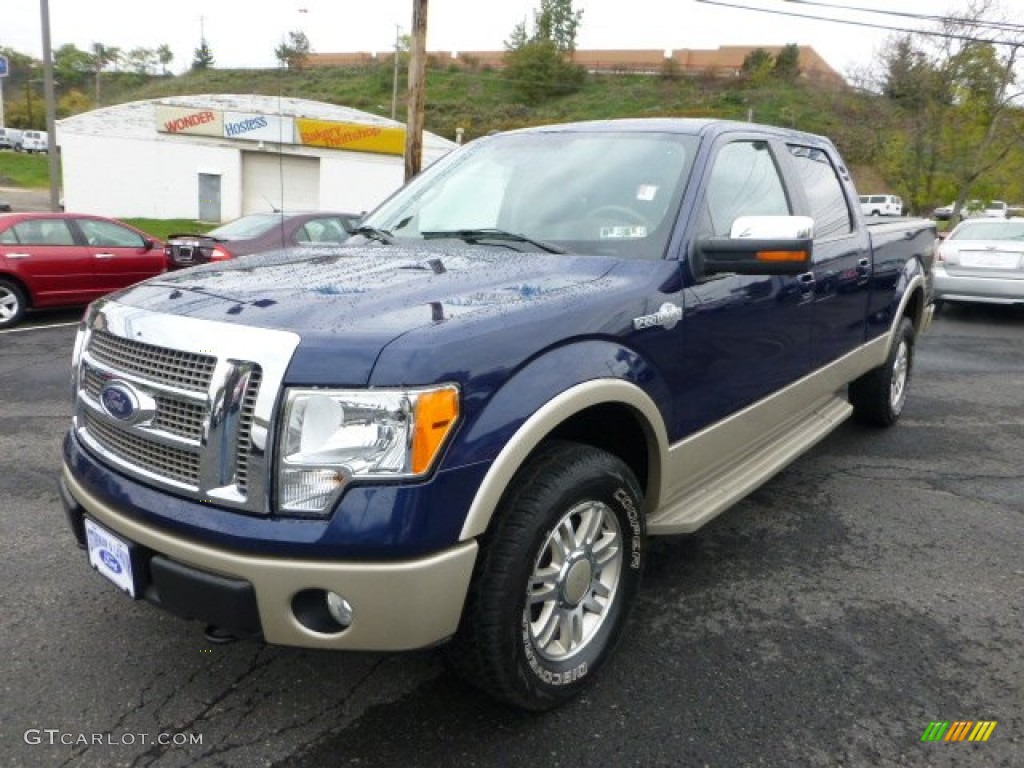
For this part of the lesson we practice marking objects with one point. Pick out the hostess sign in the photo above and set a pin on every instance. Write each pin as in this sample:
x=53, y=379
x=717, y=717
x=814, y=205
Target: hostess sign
x=240, y=125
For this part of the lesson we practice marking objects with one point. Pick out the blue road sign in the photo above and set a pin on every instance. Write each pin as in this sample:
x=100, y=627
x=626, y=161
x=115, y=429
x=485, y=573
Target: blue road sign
x=3, y=66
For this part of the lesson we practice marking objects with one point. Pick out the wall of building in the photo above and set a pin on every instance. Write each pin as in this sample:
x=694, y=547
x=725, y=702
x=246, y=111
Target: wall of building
x=358, y=181
x=726, y=60
x=123, y=177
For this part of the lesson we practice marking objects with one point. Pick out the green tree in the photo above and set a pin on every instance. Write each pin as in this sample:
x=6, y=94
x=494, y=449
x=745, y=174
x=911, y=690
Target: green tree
x=558, y=22
x=293, y=52
x=103, y=56
x=202, y=58
x=71, y=65
x=539, y=67
x=141, y=60
x=787, y=63
x=951, y=111
x=165, y=56
x=758, y=65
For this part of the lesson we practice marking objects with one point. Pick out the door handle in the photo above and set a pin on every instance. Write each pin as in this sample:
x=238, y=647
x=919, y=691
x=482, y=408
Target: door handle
x=103, y=255
x=17, y=256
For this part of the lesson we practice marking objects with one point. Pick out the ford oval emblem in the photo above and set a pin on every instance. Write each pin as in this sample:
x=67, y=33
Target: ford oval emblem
x=111, y=561
x=119, y=401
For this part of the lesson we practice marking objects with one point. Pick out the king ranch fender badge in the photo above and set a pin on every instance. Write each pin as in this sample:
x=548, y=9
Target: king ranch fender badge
x=667, y=317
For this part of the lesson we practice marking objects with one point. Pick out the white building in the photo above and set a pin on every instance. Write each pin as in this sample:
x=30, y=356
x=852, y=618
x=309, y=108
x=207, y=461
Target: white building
x=217, y=157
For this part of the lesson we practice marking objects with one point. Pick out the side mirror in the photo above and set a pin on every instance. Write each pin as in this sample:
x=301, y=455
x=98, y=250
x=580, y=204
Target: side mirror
x=759, y=245
x=148, y=244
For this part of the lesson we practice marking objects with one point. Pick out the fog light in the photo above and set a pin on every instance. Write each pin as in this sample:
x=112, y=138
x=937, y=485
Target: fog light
x=339, y=609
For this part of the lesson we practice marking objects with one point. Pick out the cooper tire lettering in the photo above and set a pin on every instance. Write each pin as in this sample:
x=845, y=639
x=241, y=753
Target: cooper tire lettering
x=555, y=579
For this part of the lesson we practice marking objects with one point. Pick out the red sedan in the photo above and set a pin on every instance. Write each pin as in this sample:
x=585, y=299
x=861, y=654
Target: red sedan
x=68, y=259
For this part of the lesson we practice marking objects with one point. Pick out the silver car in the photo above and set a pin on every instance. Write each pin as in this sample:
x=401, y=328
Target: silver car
x=982, y=260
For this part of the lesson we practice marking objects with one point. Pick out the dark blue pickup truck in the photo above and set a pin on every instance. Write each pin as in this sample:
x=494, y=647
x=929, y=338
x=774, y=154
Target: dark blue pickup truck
x=462, y=425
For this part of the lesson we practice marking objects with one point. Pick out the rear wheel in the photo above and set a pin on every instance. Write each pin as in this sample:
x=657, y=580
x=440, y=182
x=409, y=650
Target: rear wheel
x=12, y=303
x=879, y=395
x=555, y=578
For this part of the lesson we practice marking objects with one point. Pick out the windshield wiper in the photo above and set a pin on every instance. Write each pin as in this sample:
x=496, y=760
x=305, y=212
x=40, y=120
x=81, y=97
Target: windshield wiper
x=372, y=233
x=490, y=233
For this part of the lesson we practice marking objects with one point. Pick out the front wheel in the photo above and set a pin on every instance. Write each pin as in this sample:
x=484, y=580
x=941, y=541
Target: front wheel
x=555, y=578
x=879, y=395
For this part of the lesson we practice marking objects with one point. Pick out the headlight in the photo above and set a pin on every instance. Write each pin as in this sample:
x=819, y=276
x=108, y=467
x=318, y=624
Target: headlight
x=330, y=437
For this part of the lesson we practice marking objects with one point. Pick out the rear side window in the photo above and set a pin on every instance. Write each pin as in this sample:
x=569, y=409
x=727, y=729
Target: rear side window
x=43, y=232
x=824, y=192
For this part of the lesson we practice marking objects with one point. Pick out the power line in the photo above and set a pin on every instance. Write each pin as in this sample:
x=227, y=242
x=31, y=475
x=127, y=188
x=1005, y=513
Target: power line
x=868, y=24
x=1002, y=26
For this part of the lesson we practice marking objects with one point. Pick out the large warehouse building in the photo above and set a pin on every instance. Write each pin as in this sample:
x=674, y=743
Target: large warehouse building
x=217, y=157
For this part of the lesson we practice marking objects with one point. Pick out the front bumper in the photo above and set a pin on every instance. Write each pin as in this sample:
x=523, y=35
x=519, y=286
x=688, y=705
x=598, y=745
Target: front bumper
x=395, y=605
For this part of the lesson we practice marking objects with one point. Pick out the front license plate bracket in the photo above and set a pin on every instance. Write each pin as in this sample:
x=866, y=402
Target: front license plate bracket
x=113, y=557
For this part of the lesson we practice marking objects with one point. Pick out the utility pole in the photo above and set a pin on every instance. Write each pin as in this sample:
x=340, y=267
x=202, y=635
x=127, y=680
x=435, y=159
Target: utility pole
x=417, y=90
x=394, y=77
x=51, y=107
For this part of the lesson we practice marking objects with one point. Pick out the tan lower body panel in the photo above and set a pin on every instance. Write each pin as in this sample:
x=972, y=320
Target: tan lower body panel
x=396, y=606
x=720, y=465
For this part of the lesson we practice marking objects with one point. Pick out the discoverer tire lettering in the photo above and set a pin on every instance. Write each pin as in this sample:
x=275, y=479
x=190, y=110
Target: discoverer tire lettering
x=555, y=578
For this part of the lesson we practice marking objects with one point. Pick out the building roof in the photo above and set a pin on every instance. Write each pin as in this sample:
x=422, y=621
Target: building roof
x=137, y=119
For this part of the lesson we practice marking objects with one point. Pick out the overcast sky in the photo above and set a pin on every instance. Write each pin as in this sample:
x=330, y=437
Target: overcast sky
x=243, y=33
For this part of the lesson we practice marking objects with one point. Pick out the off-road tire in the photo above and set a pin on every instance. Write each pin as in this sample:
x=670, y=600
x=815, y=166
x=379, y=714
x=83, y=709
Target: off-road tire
x=878, y=397
x=566, y=494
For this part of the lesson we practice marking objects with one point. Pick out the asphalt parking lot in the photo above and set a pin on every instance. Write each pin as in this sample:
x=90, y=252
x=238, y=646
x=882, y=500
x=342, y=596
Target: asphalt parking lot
x=873, y=587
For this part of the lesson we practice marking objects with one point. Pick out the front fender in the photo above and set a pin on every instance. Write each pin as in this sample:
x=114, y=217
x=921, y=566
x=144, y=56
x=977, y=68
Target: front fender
x=541, y=396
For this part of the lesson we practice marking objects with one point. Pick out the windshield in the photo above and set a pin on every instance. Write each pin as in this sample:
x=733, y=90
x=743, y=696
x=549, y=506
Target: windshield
x=601, y=193
x=246, y=227
x=980, y=230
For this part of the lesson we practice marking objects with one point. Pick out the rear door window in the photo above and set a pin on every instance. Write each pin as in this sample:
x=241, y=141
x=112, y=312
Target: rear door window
x=824, y=192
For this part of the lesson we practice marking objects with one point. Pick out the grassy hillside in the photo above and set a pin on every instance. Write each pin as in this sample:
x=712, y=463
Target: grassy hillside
x=481, y=101
x=484, y=100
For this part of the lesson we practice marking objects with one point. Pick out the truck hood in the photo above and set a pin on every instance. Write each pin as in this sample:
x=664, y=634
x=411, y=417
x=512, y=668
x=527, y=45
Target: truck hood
x=348, y=304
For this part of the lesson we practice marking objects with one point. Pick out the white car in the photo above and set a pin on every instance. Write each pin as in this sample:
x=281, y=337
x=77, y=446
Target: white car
x=33, y=141
x=993, y=209
x=982, y=260
x=9, y=138
x=881, y=205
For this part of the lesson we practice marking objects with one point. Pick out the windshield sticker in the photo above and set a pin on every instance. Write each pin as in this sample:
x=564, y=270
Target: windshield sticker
x=646, y=192
x=623, y=232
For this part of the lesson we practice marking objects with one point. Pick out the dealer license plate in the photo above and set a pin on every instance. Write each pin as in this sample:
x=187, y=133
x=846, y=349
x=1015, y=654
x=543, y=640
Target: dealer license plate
x=110, y=555
x=989, y=260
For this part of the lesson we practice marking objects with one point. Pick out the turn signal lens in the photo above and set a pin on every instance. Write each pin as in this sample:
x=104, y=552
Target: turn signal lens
x=777, y=256
x=435, y=414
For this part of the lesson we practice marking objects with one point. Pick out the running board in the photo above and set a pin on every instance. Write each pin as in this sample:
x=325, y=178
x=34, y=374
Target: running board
x=736, y=478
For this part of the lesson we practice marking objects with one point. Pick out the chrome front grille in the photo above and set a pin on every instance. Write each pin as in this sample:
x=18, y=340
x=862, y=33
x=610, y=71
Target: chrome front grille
x=245, y=431
x=197, y=423
x=186, y=370
x=172, y=463
x=175, y=415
